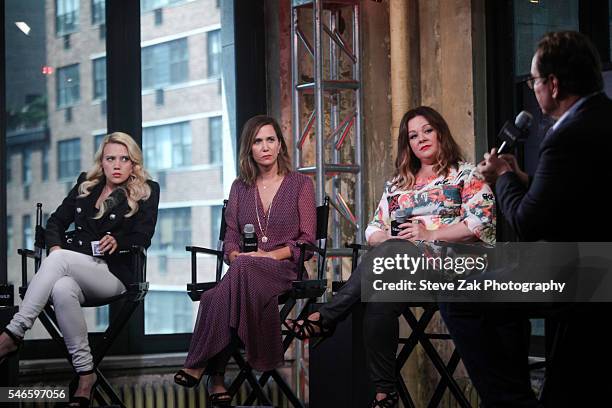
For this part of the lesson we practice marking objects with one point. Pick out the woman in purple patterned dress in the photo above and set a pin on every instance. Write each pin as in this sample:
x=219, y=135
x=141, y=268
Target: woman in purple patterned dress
x=243, y=307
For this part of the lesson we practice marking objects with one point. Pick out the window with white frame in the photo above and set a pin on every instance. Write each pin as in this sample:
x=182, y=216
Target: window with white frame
x=68, y=159
x=98, y=11
x=99, y=78
x=213, y=40
x=165, y=64
x=68, y=92
x=215, y=140
x=173, y=230
x=167, y=146
x=66, y=16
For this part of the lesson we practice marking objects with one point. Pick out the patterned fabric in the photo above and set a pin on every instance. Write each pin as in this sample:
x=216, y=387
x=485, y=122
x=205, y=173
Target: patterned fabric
x=245, y=300
x=461, y=196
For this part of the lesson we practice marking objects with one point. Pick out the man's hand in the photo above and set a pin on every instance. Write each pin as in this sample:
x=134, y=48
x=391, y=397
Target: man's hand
x=511, y=160
x=493, y=166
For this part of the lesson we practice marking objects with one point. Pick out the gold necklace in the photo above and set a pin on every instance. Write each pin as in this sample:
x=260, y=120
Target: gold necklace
x=264, y=237
x=269, y=185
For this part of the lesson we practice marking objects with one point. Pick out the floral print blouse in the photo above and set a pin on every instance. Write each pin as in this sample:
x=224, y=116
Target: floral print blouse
x=460, y=196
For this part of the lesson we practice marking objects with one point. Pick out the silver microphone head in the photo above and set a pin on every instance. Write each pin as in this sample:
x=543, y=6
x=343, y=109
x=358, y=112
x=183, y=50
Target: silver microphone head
x=248, y=229
x=523, y=120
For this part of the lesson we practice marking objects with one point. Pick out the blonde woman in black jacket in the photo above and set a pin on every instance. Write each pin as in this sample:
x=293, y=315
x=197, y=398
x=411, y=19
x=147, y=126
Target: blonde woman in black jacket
x=113, y=206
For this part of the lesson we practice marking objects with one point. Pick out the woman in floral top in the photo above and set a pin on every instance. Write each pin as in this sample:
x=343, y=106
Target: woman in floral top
x=446, y=200
x=460, y=197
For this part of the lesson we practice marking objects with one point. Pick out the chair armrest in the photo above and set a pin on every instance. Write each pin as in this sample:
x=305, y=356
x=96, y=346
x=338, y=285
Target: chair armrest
x=139, y=261
x=27, y=253
x=304, y=246
x=202, y=250
x=355, y=256
x=310, y=247
x=36, y=255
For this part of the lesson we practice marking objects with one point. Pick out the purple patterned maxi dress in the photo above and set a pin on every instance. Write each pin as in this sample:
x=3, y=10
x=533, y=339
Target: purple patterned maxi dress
x=245, y=300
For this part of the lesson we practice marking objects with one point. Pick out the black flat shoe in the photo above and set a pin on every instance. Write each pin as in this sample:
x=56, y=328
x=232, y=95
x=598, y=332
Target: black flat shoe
x=306, y=329
x=185, y=380
x=220, y=399
x=18, y=342
x=390, y=401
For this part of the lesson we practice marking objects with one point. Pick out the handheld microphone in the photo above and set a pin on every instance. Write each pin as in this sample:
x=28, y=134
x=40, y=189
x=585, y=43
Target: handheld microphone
x=249, y=239
x=511, y=133
x=401, y=216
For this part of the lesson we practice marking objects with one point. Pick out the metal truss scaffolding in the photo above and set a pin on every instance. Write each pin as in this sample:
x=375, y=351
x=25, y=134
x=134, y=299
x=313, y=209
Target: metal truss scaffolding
x=327, y=111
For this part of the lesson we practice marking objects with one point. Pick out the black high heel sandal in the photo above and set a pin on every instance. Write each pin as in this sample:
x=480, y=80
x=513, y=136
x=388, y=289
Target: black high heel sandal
x=83, y=402
x=390, y=401
x=186, y=380
x=218, y=399
x=306, y=329
x=18, y=342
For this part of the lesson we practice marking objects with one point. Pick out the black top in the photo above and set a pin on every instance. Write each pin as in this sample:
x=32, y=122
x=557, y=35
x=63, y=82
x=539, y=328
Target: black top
x=135, y=230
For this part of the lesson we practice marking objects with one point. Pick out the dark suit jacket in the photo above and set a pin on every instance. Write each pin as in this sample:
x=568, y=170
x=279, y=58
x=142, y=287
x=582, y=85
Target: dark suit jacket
x=135, y=230
x=566, y=200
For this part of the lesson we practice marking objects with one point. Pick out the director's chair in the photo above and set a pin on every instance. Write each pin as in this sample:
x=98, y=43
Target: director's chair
x=420, y=335
x=302, y=289
x=132, y=297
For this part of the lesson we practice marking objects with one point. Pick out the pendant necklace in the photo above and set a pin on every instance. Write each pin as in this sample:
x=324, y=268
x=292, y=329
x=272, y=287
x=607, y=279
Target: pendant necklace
x=264, y=237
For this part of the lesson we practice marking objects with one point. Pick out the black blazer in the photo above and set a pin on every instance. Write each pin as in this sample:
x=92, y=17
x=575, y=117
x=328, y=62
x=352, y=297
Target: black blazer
x=135, y=230
x=566, y=200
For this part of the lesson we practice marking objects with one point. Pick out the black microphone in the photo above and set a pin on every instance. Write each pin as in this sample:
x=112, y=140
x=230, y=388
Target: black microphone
x=249, y=239
x=511, y=133
x=401, y=216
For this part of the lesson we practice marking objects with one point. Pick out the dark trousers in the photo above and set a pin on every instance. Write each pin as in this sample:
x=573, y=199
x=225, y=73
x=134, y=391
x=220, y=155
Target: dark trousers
x=494, y=352
x=493, y=341
x=380, y=326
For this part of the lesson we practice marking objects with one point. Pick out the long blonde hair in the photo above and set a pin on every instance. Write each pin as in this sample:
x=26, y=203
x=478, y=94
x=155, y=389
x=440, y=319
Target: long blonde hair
x=135, y=188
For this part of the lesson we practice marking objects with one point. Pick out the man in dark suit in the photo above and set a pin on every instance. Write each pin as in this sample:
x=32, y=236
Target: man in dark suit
x=557, y=204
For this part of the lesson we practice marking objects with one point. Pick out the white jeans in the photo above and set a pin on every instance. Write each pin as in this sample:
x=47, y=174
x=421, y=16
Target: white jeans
x=68, y=278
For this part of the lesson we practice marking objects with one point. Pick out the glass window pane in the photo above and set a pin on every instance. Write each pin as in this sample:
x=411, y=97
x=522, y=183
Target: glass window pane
x=183, y=145
x=98, y=11
x=99, y=78
x=52, y=113
x=165, y=64
x=214, y=53
x=68, y=86
x=215, y=142
x=534, y=19
x=66, y=16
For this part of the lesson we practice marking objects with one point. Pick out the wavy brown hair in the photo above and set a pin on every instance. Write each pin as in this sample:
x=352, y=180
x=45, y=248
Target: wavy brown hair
x=249, y=171
x=407, y=164
x=135, y=187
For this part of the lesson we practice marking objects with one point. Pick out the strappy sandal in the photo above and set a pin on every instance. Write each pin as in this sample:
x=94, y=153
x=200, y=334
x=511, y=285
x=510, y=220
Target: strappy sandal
x=306, y=329
x=390, y=401
x=82, y=402
x=218, y=399
x=186, y=380
x=18, y=342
